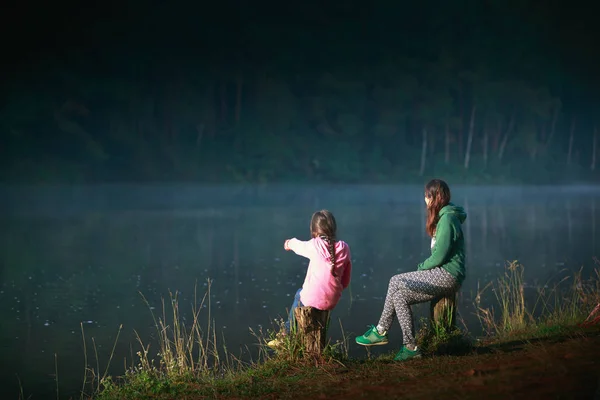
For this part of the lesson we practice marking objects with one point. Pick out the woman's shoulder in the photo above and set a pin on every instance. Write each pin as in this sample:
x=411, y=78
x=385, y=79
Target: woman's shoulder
x=450, y=221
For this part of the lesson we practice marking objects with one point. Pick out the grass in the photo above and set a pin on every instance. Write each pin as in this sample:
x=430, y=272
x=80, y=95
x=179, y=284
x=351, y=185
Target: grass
x=495, y=369
x=292, y=348
x=528, y=342
x=556, y=307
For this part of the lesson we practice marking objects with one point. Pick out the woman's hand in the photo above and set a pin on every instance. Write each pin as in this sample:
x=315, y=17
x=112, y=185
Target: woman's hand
x=285, y=245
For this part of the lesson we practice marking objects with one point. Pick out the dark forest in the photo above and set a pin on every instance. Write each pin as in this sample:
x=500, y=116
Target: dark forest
x=474, y=91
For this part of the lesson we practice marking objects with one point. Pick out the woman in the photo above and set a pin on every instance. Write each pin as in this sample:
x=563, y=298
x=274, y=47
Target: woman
x=439, y=275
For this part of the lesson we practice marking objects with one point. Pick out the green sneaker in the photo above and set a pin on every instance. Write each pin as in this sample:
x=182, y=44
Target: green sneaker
x=405, y=354
x=372, y=338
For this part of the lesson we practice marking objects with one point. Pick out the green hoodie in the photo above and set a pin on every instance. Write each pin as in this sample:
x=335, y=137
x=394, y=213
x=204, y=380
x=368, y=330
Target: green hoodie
x=448, y=250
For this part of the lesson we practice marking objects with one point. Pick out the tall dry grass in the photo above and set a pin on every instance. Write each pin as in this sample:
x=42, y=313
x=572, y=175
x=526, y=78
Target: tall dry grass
x=563, y=303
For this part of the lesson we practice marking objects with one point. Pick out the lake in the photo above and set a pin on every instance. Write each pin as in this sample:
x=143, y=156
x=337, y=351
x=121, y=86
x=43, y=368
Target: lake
x=83, y=256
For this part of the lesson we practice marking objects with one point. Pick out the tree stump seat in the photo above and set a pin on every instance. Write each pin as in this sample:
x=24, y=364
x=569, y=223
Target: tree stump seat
x=443, y=312
x=311, y=326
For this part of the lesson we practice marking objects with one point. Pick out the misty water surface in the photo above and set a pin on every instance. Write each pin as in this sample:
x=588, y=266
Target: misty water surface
x=83, y=255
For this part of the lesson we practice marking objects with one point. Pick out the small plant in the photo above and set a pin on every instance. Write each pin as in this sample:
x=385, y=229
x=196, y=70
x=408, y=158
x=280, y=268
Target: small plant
x=290, y=347
x=338, y=351
x=556, y=306
x=509, y=291
x=186, y=353
x=437, y=339
x=289, y=344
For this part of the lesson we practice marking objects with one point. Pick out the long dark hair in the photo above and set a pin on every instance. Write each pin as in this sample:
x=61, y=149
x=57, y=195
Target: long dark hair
x=323, y=225
x=438, y=192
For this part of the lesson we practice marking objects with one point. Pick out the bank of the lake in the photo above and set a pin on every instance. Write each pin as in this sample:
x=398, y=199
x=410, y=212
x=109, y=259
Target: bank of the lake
x=553, y=352
x=562, y=365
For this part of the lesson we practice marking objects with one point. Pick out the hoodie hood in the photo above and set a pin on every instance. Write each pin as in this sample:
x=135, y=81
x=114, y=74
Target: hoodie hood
x=458, y=211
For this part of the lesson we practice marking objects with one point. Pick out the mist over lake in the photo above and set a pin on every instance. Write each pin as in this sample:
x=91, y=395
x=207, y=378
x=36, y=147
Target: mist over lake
x=74, y=256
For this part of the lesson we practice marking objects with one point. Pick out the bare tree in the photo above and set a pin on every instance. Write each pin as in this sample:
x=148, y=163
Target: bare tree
x=485, y=144
x=447, y=145
x=511, y=126
x=423, y=152
x=470, y=138
x=223, y=98
x=238, y=97
x=594, y=145
x=571, y=138
x=555, y=112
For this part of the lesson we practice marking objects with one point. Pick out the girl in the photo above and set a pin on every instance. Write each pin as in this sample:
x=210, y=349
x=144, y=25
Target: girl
x=329, y=269
x=439, y=275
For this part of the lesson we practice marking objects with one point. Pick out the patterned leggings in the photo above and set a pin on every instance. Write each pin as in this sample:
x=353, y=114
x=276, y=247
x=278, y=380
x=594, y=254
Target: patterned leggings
x=413, y=288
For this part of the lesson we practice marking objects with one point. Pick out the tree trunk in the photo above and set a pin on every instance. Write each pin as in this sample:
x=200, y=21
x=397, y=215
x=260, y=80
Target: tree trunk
x=423, y=152
x=236, y=265
x=485, y=146
x=447, y=145
x=552, y=127
x=534, y=152
x=238, y=98
x=594, y=145
x=496, y=138
x=461, y=120
x=511, y=125
x=208, y=111
x=470, y=138
x=571, y=138
x=593, y=201
x=223, y=98
x=200, y=134
x=443, y=313
x=484, y=228
x=468, y=225
x=569, y=223
x=312, y=329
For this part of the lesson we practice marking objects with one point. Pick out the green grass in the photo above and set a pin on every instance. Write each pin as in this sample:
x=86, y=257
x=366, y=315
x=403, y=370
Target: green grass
x=490, y=369
x=557, y=306
x=192, y=363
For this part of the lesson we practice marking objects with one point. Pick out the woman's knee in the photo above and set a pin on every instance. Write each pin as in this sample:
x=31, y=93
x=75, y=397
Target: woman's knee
x=394, y=284
x=395, y=280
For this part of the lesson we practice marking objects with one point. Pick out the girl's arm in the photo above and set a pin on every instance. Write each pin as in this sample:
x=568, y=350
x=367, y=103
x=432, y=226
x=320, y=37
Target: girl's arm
x=442, y=247
x=304, y=249
x=347, y=273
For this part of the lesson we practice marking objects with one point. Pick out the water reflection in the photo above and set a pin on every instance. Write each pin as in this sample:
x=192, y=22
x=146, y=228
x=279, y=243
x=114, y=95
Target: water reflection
x=63, y=264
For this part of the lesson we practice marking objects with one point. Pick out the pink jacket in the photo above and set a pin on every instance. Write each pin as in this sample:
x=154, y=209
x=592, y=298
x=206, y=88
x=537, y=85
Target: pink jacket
x=321, y=289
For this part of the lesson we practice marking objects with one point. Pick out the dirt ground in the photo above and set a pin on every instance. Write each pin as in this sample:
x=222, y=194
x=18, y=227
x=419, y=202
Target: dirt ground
x=558, y=368
x=565, y=369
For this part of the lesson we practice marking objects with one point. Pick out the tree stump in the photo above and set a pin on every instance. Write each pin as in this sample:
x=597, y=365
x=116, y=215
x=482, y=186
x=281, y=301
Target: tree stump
x=443, y=312
x=311, y=325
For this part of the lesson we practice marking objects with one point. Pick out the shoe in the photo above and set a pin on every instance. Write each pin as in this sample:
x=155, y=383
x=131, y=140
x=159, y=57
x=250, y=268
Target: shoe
x=405, y=354
x=372, y=338
x=276, y=343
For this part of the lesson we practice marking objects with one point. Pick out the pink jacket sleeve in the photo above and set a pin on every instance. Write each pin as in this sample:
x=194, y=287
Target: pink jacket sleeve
x=347, y=272
x=304, y=249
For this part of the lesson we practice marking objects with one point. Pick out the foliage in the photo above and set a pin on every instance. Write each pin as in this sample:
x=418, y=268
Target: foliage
x=157, y=113
x=435, y=340
x=556, y=306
